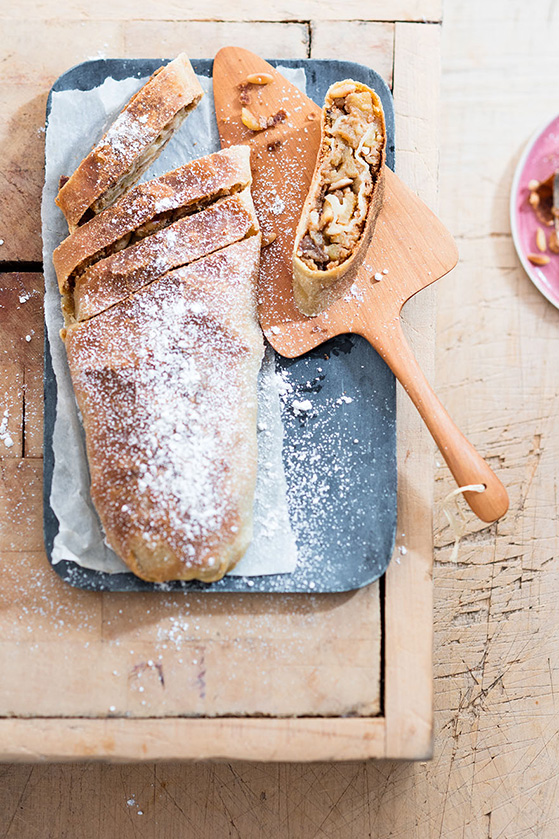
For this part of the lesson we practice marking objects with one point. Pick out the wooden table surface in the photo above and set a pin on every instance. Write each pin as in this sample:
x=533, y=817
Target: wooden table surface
x=496, y=658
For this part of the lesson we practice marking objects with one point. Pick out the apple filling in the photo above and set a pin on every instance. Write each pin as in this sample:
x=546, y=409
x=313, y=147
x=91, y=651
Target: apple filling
x=352, y=147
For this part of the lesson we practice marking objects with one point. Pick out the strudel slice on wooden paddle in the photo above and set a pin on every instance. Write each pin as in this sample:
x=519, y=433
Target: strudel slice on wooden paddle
x=344, y=199
x=132, y=143
x=166, y=382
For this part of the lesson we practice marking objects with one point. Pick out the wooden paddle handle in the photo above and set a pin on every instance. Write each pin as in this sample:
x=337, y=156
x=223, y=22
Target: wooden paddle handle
x=465, y=463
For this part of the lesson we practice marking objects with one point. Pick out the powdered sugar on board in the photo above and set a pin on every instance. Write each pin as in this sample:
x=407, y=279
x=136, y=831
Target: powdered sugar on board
x=78, y=119
x=164, y=401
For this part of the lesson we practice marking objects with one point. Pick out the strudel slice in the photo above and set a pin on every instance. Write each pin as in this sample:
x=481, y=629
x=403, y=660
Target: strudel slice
x=146, y=209
x=117, y=276
x=132, y=143
x=344, y=199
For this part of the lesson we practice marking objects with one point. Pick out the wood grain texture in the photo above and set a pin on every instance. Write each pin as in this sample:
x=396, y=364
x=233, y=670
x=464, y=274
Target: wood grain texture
x=65, y=652
x=188, y=739
x=241, y=10
x=496, y=665
x=406, y=694
x=21, y=364
x=368, y=43
x=496, y=615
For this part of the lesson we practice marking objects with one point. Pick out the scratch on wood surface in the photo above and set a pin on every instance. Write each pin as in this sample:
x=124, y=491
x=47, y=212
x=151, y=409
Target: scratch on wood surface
x=18, y=805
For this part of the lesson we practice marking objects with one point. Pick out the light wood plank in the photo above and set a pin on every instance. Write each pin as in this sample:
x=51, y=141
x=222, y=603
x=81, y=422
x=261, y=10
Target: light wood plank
x=226, y=739
x=21, y=363
x=241, y=10
x=408, y=610
x=202, y=39
x=66, y=652
x=165, y=654
x=21, y=504
x=496, y=614
x=371, y=44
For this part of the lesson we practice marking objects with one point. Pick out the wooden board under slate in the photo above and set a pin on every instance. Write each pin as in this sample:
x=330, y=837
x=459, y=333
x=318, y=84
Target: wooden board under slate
x=38, y=608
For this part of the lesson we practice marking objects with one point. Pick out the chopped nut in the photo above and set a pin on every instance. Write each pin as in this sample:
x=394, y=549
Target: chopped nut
x=260, y=78
x=554, y=242
x=273, y=146
x=533, y=184
x=342, y=89
x=538, y=258
x=534, y=199
x=268, y=238
x=251, y=121
x=280, y=116
x=541, y=241
x=245, y=95
x=341, y=183
x=327, y=215
x=260, y=123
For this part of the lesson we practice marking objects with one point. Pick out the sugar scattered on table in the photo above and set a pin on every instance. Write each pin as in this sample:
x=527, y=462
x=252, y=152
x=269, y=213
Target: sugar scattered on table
x=5, y=435
x=301, y=406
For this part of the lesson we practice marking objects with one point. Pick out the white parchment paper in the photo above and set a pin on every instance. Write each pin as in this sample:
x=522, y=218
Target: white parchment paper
x=77, y=120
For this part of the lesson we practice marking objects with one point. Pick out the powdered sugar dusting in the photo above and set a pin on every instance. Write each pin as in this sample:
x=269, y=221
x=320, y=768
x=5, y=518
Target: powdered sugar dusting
x=163, y=401
x=5, y=435
x=127, y=136
x=190, y=238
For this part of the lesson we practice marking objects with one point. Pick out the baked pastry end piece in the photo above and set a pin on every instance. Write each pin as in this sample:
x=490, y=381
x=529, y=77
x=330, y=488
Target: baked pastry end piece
x=344, y=199
x=166, y=382
x=132, y=143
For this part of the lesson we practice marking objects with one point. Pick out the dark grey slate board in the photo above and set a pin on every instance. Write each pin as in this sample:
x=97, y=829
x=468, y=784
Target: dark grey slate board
x=340, y=463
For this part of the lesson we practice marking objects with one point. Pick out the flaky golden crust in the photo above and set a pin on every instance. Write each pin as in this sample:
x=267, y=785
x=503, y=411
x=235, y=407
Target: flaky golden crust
x=134, y=140
x=166, y=383
x=117, y=276
x=147, y=206
x=315, y=288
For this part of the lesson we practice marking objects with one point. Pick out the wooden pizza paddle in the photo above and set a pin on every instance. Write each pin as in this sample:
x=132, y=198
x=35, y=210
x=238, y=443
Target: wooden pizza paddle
x=409, y=251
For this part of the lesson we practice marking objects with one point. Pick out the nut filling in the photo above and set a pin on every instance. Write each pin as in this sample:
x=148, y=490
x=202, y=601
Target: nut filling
x=352, y=149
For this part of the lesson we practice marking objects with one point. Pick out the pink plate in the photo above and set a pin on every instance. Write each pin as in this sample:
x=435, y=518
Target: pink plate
x=539, y=161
